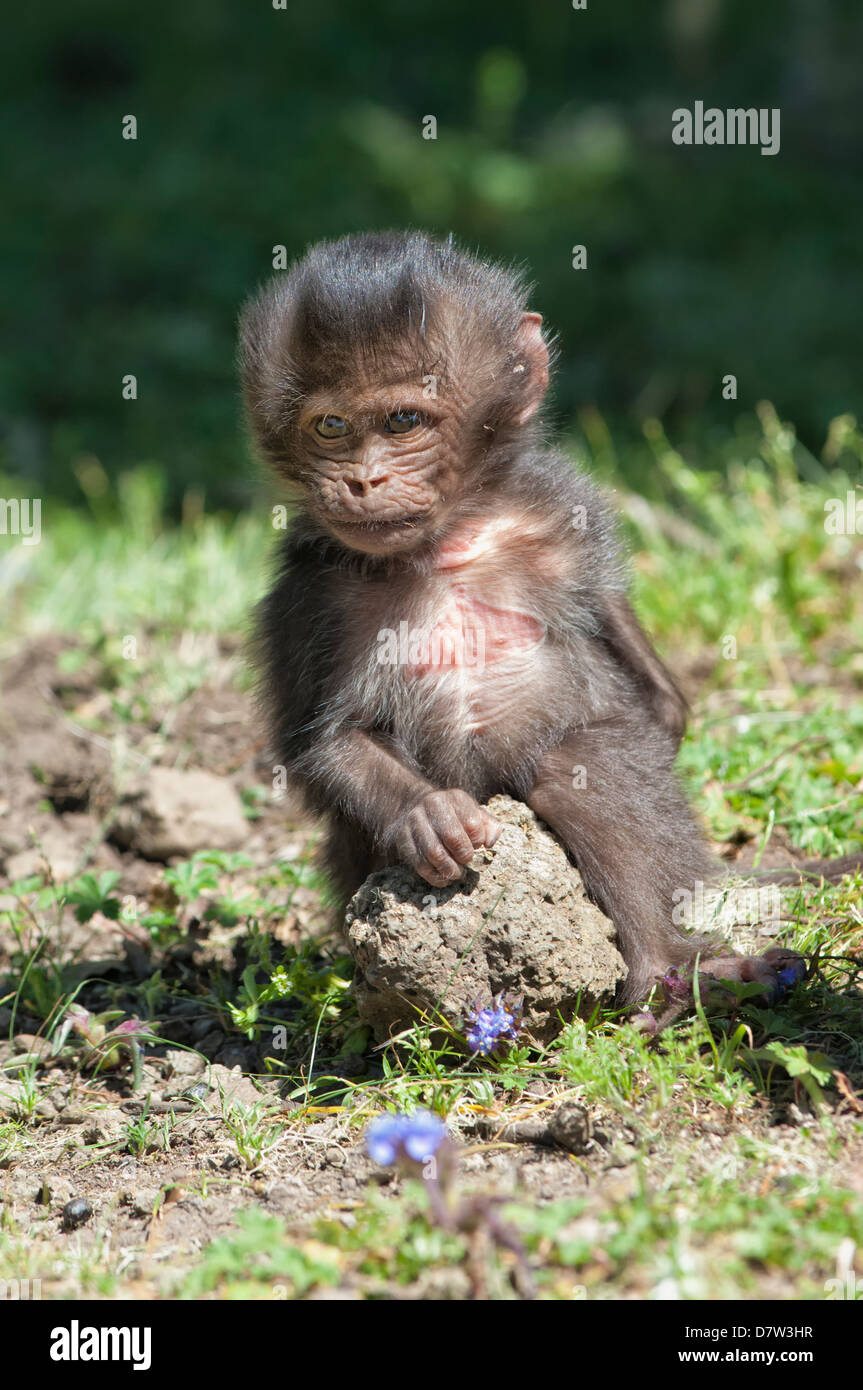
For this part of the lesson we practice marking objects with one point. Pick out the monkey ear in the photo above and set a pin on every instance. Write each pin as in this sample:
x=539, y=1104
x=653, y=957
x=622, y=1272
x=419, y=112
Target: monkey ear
x=532, y=365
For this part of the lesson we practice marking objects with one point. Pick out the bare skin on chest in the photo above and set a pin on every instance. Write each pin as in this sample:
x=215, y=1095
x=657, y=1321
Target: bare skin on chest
x=482, y=638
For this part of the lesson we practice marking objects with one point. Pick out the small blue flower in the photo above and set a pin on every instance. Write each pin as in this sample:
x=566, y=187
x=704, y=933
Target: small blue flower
x=786, y=979
x=416, y=1137
x=383, y=1138
x=424, y=1134
x=489, y=1027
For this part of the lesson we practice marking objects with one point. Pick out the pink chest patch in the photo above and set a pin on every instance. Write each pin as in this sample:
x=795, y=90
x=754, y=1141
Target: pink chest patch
x=473, y=634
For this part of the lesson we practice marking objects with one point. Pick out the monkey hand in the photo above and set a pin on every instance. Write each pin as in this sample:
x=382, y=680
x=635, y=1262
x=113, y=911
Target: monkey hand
x=440, y=834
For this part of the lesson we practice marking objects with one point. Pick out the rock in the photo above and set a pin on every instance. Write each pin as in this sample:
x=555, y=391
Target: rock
x=68, y=769
x=195, y=1094
x=56, y=847
x=183, y=1063
x=172, y=812
x=51, y=1191
x=237, y=1055
x=12, y=1098
x=33, y=1044
x=143, y=1202
x=519, y=921
x=236, y=1087
x=571, y=1127
x=74, y=1115
x=106, y=1127
x=18, y=1187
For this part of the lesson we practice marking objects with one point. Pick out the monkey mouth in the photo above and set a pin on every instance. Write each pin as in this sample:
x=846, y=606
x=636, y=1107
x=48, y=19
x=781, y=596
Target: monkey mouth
x=383, y=525
x=373, y=530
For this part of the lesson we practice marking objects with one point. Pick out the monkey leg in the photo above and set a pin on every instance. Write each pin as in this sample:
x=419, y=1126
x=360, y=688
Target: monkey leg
x=609, y=791
x=610, y=794
x=347, y=858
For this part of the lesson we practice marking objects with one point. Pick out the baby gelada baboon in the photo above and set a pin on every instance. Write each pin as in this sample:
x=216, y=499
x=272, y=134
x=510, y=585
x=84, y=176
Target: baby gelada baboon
x=450, y=618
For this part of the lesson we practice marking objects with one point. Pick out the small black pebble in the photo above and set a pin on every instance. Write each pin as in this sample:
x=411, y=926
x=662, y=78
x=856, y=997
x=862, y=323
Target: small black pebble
x=76, y=1212
x=197, y=1092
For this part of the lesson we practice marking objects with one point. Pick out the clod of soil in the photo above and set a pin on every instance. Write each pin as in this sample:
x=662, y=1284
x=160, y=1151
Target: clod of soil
x=172, y=812
x=518, y=921
x=75, y=1213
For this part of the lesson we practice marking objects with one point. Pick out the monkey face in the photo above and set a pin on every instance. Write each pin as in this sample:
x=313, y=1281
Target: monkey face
x=389, y=377
x=380, y=469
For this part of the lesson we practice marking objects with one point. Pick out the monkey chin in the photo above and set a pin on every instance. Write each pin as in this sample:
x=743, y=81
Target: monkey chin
x=382, y=537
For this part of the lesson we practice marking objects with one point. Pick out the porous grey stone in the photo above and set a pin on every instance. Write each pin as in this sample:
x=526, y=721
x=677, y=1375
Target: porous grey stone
x=519, y=921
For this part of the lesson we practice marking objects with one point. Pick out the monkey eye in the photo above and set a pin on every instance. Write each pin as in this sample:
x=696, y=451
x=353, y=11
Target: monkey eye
x=331, y=427
x=400, y=421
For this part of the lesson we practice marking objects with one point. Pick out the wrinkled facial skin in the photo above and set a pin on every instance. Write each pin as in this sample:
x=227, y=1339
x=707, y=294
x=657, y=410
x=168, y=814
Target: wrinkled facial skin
x=382, y=459
x=380, y=468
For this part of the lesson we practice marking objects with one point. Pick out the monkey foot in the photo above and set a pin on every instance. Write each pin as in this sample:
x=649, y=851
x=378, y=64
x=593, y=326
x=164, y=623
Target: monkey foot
x=777, y=971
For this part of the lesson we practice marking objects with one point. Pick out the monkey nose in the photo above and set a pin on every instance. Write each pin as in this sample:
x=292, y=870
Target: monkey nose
x=362, y=487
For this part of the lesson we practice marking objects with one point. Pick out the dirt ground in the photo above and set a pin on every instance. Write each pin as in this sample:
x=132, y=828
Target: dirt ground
x=156, y=1201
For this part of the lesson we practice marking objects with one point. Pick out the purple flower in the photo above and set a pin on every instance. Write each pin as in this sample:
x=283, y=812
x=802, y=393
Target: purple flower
x=487, y=1028
x=675, y=985
x=416, y=1137
x=130, y=1027
x=644, y=1021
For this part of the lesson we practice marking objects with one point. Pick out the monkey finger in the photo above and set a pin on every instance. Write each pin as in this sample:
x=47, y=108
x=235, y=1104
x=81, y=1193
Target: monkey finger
x=436, y=880
x=473, y=820
x=410, y=855
x=475, y=832
x=445, y=822
x=482, y=828
x=492, y=831
x=458, y=844
x=430, y=857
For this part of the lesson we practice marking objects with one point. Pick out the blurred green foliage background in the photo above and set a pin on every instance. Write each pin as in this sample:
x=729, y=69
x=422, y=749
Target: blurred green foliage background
x=260, y=126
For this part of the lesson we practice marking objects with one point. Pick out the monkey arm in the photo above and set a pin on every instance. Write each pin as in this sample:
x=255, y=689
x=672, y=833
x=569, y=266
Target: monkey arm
x=435, y=830
x=357, y=773
x=630, y=644
x=302, y=636
x=346, y=767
